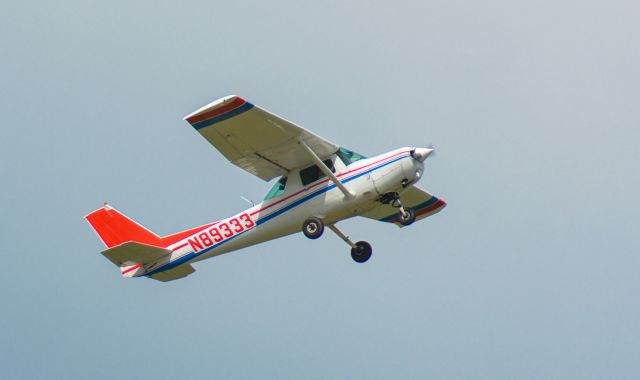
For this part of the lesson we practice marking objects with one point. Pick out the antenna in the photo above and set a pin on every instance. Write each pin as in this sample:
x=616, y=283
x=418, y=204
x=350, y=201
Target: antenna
x=248, y=200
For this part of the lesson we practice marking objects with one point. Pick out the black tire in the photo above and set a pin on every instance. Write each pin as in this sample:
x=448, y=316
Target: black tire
x=362, y=252
x=408, y=218
x=313, y=227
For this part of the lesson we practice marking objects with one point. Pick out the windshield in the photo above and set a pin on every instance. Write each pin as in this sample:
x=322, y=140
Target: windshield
x=349, y=157
x=277, y=189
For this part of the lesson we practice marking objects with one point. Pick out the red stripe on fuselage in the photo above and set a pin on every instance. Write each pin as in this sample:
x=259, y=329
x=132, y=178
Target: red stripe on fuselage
x=180, y=246
x=325, y=181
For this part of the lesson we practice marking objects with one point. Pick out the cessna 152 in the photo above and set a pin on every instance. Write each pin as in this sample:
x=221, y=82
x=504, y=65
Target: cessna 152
x=320, y=184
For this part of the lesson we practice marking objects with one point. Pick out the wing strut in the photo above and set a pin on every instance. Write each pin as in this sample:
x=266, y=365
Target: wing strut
x=325, y=169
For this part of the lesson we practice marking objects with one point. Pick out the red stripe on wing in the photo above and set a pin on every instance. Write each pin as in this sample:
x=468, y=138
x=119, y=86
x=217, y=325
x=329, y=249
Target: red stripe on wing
x=237, y=102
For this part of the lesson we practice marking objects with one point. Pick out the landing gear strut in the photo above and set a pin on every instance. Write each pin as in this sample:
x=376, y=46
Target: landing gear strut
x=406, y=216
x=313, y=228
x=360, y=251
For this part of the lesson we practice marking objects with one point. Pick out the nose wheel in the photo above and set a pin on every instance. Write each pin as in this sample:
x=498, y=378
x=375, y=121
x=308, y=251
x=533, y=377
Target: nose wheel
x=406, y=216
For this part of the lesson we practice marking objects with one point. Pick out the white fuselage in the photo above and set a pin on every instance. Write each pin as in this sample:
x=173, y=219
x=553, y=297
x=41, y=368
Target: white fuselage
x=283, y=215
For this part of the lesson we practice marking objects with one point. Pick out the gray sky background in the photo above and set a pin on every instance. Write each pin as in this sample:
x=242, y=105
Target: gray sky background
x=531, y=271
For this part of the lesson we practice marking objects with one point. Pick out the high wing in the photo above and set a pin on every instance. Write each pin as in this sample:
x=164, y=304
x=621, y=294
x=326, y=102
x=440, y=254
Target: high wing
x=256, y=140
x=423, y=203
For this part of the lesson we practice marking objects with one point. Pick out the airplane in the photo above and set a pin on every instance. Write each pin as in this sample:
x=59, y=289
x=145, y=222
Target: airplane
x=319, y=185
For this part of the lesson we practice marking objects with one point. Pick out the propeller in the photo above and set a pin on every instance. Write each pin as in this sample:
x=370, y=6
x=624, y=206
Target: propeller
x=433, y=148
x=421, y=154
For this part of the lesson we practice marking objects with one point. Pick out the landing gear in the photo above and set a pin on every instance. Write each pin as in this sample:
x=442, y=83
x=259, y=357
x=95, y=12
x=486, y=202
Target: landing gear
x=360, y=251
x=406, y=216
x=313, y=227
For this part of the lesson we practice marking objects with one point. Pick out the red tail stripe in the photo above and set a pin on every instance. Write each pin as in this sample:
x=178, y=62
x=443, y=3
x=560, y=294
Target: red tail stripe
x=132, y=268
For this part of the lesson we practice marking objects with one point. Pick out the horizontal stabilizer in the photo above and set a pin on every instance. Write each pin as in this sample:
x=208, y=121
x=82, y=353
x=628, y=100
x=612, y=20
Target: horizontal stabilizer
x=132, y=252
x=174, y=273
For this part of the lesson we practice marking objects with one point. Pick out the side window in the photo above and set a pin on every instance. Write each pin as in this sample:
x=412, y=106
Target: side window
x=277, y=189
x=313, y=173
x=348, y=157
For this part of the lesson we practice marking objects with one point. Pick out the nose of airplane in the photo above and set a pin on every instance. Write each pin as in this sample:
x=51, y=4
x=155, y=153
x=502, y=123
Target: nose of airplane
x=421, y=154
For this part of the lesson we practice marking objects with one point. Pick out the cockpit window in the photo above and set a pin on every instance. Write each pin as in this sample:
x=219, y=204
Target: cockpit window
x=349, y=157
x=313, y=173
x=277, y=189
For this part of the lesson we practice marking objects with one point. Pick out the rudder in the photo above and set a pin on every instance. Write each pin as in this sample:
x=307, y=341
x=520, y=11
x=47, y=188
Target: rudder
x=115, y=228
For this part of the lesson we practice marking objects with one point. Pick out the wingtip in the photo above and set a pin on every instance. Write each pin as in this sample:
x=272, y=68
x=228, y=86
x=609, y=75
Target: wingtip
x=105, y=206
x=215, y=108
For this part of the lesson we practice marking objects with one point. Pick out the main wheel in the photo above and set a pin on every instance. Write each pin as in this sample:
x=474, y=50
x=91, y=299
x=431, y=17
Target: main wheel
x=408, y=217
x=362, y=252
x=313, y=227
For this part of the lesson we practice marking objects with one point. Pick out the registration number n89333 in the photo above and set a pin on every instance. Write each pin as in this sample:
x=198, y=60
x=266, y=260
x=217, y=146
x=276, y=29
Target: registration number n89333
x=223, y=230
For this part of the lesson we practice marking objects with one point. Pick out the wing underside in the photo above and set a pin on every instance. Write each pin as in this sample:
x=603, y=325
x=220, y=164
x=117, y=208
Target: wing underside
x=255, y=139
x=423, y=203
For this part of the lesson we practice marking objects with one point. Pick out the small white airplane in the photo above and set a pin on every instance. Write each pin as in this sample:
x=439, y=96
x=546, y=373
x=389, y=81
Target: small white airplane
x=320, y=184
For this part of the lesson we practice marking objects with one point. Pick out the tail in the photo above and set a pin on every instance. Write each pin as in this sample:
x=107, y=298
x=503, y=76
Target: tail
x=132, y=247
x=115, y=228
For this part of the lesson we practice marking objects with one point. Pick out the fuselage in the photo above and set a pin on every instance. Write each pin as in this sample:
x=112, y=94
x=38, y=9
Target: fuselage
x=284, y=214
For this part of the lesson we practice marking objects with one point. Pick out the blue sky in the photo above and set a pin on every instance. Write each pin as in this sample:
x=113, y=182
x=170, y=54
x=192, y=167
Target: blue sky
x=530, y=272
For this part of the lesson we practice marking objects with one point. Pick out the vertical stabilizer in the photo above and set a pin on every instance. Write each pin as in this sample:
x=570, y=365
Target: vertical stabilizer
x=115, y=228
